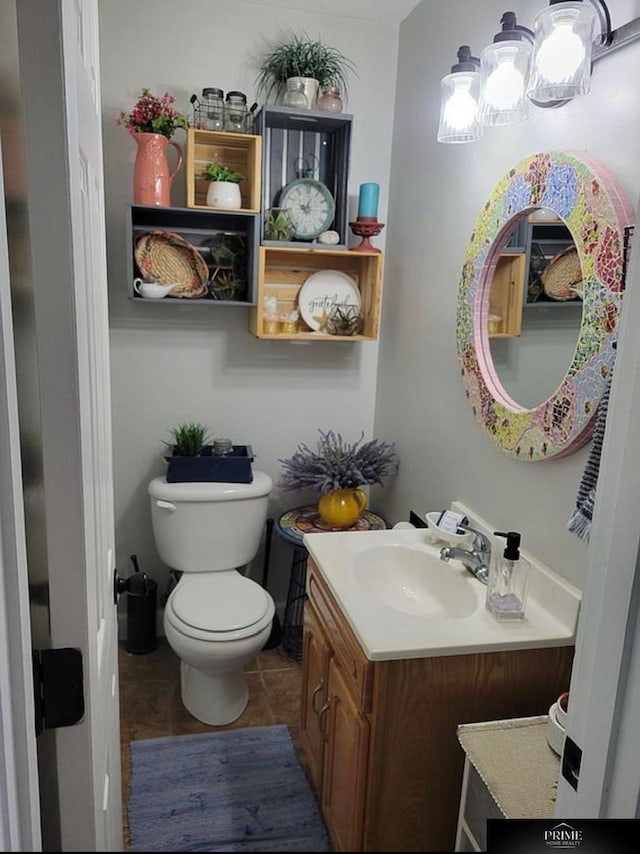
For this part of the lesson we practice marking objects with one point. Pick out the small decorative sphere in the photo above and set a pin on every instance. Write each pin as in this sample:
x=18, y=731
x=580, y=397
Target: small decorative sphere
x=330, y=237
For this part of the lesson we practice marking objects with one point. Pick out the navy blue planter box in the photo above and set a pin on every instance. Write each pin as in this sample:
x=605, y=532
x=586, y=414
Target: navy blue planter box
x=207, y=468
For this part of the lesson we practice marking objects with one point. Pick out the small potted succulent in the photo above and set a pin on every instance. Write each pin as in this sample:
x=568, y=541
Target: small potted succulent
x=195, y=458
x=338, y=470
x=224, y=189
x=278, y=225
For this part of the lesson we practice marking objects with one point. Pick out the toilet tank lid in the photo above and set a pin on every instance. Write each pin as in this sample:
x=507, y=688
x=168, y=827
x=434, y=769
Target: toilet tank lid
x=201, y=491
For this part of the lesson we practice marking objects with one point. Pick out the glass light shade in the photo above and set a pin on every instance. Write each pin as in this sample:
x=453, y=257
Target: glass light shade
x=504, y=71
x=459, y=98
x=561, y=64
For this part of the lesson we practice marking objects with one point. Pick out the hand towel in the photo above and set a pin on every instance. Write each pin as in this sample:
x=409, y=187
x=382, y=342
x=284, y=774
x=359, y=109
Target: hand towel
x=580, y=521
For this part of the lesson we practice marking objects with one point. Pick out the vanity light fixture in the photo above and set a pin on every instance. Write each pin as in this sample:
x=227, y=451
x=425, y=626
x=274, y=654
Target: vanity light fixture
x=459, y=97
x=547, y=66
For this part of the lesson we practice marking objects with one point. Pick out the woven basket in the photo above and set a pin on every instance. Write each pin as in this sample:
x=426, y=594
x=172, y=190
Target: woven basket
x=167, y=257
x=563, y=275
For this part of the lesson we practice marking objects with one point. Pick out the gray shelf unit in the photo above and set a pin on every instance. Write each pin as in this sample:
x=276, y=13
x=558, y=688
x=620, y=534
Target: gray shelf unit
x=552, y=238
x=289, y=134
x=197, y=227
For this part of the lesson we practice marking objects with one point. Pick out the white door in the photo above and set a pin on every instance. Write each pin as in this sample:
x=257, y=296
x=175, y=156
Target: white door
x=59, y=64
x=604, y=703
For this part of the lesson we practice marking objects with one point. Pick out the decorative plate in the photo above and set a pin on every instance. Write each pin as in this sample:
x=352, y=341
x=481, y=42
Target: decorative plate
x=321, y=292
x=310, y=206
x=167, y=257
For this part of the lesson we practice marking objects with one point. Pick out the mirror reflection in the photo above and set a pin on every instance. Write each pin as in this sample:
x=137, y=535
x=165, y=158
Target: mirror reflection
x=535, y=307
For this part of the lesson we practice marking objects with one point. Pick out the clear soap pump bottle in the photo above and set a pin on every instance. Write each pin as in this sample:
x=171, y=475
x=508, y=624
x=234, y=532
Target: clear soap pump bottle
x=508, y=581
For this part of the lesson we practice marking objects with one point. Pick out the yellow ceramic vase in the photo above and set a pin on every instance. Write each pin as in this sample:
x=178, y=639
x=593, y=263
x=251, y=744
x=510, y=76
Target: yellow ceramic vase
x=341, y=508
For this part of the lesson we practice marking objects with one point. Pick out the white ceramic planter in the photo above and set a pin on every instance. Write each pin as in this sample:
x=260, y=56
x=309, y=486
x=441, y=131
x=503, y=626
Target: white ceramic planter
x=224, y=194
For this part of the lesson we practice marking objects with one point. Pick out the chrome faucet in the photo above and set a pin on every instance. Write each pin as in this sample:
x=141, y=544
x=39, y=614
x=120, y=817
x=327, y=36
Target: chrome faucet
x=476, y=559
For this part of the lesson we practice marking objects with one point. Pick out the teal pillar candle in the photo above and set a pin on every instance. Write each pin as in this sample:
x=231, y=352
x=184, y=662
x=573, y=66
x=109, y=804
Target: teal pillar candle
x=368, y=200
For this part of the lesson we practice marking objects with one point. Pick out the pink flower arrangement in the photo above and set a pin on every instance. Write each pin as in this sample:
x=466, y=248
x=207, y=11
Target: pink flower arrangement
x=151, y=114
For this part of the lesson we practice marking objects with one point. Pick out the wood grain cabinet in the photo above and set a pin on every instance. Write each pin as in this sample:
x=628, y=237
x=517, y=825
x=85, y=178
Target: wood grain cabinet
x=380, y=737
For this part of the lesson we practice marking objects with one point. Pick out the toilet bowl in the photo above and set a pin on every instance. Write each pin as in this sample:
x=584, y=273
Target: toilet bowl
x=216, y=619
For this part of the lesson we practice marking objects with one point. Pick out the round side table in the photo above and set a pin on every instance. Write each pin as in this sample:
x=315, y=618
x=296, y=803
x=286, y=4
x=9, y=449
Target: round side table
x=291, y=527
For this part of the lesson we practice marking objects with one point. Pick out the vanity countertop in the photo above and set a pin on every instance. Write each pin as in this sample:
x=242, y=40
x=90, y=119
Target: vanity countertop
x=344, y=558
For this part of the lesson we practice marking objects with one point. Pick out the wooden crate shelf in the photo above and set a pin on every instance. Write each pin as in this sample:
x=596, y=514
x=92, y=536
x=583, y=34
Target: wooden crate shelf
x=290, y=134
x=198, y=228
x=241, y=152
x=283, y=270
x=505, y=296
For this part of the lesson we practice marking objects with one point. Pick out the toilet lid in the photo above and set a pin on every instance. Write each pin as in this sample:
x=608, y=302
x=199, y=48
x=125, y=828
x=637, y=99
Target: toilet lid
x=219, y=603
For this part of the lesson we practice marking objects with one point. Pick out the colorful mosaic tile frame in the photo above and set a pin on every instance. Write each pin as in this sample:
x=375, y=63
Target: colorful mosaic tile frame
x=594, y=207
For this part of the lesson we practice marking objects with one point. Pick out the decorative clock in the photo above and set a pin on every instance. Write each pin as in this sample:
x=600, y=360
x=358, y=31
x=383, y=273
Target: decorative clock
x=309, y=204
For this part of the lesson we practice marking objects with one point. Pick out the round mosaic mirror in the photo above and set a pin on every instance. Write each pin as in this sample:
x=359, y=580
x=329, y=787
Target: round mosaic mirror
x=585, y=198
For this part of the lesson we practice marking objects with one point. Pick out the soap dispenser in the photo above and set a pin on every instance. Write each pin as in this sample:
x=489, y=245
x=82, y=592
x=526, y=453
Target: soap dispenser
x=508, y=581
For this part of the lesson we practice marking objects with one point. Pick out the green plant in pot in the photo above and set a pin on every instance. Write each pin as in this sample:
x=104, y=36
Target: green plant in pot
x=224, y=189
x=188, y=439
x=194, y=458
x=278, y=225
x=301, y=60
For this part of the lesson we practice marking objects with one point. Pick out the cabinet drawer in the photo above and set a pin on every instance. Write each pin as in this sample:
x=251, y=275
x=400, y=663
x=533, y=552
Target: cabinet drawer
x=357, y=668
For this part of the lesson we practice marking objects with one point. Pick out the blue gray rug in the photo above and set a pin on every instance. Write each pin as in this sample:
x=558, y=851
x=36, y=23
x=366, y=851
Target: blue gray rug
x=236, y=790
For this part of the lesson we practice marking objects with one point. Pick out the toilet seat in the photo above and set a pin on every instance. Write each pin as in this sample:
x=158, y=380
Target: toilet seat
x=237, y=606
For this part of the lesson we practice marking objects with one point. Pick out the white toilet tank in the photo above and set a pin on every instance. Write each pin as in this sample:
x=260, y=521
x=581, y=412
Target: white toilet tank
x=203, y=527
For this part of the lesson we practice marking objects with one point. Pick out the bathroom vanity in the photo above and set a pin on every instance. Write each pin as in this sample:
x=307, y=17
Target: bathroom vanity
x=385, y=687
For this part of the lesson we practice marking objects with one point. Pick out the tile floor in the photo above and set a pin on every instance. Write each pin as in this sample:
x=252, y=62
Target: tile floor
x=150, y=705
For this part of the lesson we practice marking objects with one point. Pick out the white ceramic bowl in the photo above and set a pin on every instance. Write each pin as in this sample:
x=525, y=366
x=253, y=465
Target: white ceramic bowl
x=443, y=536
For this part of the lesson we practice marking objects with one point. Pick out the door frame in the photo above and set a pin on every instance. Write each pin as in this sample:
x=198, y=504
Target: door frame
x=19, y=798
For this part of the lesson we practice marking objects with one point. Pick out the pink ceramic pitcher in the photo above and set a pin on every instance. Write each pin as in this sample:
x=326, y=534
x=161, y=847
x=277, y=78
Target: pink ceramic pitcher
x=151, y=175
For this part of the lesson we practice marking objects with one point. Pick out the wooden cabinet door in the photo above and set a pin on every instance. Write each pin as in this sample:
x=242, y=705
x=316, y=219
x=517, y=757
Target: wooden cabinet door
x=345, y=764
x=315, y=660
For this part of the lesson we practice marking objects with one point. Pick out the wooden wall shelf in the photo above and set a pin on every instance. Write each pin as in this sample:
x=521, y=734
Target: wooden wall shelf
x=283, y=270
x=290, y=134
x=199, y=228
x=241, y=152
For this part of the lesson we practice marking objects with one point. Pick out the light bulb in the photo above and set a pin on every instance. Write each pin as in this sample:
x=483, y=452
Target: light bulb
x=560, y=55
x=459, y=113
x=561, y=65
x=460, y=110
x=504, y=87
x=504, y=70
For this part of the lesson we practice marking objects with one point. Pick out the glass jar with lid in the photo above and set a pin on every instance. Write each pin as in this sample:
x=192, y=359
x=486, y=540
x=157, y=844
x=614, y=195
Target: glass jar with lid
x=235, y=112
x=212, y=109
x=330, y=100
x=294, y=95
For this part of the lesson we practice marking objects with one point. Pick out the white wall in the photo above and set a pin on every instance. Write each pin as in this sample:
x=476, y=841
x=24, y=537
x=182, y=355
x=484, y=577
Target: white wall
x=197, y=363
x=437, y=191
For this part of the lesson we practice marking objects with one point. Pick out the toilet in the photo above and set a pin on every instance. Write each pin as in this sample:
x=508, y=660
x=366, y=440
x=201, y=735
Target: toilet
x=215, y=620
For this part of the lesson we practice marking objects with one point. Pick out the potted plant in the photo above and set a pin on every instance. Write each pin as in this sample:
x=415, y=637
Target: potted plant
x=278, y=225
x=313, y=63
x=338, y=470
x=194, y=458
x=224, y=189
x=152, y=122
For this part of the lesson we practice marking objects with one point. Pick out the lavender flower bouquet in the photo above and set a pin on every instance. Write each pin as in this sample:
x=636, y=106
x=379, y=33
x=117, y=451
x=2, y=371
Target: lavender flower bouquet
x=337, y=464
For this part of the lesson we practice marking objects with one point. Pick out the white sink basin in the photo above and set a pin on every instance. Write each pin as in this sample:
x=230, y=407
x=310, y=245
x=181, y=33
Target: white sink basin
x=415, y=582
x=402, y=601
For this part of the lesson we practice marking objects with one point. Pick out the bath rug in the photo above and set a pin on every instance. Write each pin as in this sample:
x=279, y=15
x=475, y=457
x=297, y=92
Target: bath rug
x=234, y=790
